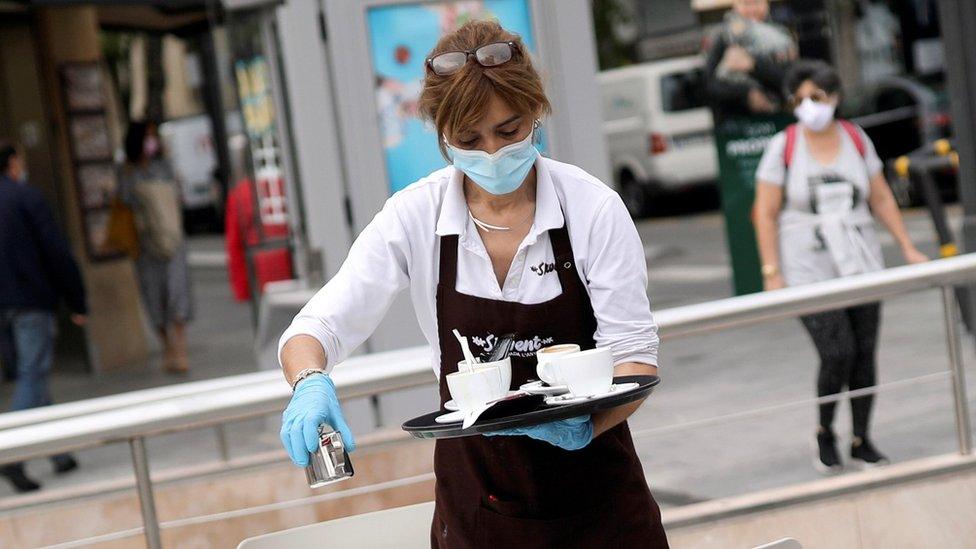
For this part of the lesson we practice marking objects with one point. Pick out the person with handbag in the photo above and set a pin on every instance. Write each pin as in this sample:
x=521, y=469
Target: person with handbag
x=819, y=188
x=149, y=188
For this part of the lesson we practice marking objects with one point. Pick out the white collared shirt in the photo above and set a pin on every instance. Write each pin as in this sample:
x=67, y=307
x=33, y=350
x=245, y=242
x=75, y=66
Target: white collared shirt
x=400, y=249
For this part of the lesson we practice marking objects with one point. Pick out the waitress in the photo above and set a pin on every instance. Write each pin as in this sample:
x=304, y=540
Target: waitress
x=502, y=241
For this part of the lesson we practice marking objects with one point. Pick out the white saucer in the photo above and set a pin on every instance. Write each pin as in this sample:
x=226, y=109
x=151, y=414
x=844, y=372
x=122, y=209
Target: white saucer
x=453, y=407
x=540, y=388
x=567, y=398
x=450, y=417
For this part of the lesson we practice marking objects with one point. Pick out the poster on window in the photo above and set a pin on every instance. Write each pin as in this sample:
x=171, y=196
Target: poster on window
x=401, y=36
x=257, y=108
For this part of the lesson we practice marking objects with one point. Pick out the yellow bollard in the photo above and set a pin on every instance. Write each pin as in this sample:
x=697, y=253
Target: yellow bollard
x=901, y=166
x=948, y=250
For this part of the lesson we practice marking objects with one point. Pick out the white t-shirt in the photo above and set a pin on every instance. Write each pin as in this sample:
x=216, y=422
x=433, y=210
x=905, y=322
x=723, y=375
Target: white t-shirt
x=804, y=257
x=400, y=249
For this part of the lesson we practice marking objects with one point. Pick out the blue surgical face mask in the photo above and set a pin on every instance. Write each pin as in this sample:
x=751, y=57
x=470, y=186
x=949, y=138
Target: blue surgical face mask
x=499, y=173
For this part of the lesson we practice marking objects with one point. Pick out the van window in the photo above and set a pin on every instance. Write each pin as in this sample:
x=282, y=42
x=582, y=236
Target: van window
x=682, y=91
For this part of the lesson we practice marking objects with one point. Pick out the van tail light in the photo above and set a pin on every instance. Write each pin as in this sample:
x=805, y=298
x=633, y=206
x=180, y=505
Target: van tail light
x=658, y=143
x=940, y=119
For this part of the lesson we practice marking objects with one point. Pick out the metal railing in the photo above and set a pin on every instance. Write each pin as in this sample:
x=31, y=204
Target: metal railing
x=127, y=418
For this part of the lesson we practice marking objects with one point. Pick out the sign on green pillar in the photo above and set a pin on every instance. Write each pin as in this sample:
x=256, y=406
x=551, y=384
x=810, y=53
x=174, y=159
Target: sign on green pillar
x=741, y=142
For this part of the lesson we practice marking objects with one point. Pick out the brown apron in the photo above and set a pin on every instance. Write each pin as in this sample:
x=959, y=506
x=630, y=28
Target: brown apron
x=513, y=491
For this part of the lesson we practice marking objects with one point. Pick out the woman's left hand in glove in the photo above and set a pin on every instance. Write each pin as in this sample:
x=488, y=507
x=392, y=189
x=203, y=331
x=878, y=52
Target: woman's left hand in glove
x=568, y=434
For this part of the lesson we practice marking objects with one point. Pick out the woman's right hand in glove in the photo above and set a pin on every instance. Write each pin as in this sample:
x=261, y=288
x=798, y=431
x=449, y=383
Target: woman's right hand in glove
x=314, y=403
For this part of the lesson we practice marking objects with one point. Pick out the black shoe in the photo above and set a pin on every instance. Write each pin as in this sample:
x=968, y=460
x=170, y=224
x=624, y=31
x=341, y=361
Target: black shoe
x=16, y=476
x=865, y=455
x=64, y=463
x=827, y=461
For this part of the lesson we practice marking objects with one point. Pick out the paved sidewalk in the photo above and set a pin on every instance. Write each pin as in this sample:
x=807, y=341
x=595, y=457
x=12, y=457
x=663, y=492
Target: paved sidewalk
x=772, y=364
x=724, y=373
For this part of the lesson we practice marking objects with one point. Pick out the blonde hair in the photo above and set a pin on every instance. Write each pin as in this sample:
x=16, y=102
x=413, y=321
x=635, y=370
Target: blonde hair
x=460, y=100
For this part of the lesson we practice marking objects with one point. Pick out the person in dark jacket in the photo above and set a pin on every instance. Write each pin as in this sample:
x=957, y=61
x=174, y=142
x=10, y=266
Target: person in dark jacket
x=746, y=61
x=36, y=273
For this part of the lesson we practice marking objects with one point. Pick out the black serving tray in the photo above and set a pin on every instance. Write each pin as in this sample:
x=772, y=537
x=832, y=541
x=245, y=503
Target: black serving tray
x=527, y=411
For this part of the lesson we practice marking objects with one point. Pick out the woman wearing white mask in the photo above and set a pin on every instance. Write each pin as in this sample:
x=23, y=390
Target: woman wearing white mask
x=501, y=241
x=818, y=184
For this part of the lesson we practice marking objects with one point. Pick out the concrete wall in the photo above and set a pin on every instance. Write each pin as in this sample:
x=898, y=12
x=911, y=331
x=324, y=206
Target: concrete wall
x=23, y=116
x=176, y=500
x=927, y=503
x=924, y=503
x=114, y=332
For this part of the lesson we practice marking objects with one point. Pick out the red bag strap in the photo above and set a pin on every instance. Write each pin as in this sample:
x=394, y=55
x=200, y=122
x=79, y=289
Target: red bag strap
x=855, y=134
x=790, y=145
x=852, y=130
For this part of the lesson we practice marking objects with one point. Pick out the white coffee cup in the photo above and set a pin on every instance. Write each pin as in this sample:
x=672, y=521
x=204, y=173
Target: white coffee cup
x=585, y=373
x=504, y=366
x=472, y=390
x=545, y=356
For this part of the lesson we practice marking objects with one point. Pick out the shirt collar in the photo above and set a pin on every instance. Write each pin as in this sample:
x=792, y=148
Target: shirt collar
x=453, y=218
x=548, y=210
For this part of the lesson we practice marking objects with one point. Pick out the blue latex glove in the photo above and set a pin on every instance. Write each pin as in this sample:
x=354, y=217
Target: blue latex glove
x=568, y=434
x=314, y=403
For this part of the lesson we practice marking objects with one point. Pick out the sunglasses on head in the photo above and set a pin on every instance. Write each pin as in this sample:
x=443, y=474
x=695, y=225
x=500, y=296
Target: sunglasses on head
x=489, y=55
x=818, y=96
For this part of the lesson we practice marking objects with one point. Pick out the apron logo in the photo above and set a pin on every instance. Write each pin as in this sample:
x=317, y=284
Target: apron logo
x=522, y=348
x=543, y=268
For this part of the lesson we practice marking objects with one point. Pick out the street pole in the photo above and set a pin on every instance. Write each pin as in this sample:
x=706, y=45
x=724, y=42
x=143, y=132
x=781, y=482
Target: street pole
x=213, y=99
x=957, y=19
x=964, y=431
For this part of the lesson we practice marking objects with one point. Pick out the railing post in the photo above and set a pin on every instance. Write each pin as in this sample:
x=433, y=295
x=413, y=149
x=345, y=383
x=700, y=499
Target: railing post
x=963, y=430
x=222, y=444
x=374, y=405
x=140, y=464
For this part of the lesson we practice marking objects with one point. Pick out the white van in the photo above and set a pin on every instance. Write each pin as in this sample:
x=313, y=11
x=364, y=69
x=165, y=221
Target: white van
x=658, y=128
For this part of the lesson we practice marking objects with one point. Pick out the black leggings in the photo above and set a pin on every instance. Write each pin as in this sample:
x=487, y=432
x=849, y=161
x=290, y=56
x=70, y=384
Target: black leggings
x=846, y=340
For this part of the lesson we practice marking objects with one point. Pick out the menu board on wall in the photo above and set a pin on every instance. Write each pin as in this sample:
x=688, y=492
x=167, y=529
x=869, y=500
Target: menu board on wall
x=84, y=93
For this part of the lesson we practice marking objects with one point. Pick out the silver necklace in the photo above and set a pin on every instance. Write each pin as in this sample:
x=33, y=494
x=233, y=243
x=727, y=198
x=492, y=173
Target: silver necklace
x=490, y=228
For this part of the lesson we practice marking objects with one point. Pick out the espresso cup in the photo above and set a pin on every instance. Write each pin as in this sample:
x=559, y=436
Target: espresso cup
x=473, y=390
x=585, y=373
x=545, y=356
x=504, y=367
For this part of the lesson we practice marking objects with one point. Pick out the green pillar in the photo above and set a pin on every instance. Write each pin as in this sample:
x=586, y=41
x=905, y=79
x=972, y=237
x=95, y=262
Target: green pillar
x=741, y=142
